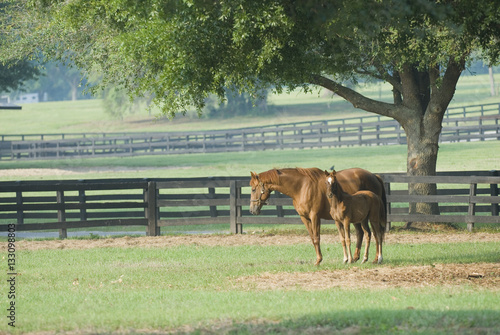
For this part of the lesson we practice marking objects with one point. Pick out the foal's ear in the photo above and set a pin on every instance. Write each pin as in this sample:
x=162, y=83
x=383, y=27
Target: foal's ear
x=327, y=173
x=254, y=175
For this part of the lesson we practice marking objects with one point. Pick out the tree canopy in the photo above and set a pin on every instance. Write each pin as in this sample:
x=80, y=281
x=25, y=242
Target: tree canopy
x=181, y=51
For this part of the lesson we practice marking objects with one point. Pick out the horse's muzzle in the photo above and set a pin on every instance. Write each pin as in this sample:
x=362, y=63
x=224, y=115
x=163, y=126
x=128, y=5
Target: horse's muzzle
x=255, y=209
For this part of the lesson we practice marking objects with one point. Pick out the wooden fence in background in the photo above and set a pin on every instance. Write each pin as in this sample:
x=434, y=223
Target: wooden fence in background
x=471, y=123
x=62, y=205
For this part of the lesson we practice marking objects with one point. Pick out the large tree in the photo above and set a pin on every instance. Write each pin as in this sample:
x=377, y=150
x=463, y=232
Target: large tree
x=182, y=51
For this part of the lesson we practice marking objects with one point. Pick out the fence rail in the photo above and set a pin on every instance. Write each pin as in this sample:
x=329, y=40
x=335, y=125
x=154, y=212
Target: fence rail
x=469, y=123
x=40, y=205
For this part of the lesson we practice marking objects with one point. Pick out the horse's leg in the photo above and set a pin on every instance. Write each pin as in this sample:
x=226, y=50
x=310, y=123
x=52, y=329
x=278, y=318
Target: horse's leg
x=348, y=240
x=375, y=222
x=380, y=239
x=368, y=235
x=313, y=227
x=359, y=241
x=340, y=228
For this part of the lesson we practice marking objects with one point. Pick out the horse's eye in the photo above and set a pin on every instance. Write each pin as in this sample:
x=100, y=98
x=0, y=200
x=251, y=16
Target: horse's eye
x=253, y=189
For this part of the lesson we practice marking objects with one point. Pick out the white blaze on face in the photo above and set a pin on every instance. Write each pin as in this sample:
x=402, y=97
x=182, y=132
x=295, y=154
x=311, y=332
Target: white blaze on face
x=330, y=180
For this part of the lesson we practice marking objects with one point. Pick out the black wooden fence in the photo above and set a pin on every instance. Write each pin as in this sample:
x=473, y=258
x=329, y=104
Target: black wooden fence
x=480, y=122
x=43, y=205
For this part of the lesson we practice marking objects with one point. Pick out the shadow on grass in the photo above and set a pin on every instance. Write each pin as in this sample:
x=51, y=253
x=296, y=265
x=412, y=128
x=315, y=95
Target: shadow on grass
x=406, y=321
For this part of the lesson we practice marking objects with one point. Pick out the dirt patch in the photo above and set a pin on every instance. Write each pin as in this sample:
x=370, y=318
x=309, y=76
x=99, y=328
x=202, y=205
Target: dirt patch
x=244, y=239
x=485, y=275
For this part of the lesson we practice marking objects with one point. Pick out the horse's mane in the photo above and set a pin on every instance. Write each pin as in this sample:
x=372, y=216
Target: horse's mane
x=270, y=176
x=313, y=173
x=273, y=176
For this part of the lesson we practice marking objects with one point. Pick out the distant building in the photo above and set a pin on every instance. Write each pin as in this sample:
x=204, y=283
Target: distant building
x=26, y=98
x=6, y=104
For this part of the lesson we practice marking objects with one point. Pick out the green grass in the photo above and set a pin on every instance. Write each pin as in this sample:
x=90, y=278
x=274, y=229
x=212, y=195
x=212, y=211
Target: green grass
x=461, y=156
x=195, y=287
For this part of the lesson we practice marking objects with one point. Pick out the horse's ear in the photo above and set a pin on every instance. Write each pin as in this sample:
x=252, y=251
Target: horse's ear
x=254, y=175
x=327, y=173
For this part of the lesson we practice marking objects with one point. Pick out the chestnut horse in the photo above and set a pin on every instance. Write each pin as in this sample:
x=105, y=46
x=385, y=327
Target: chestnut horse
x=307, y=188
x=356, y=208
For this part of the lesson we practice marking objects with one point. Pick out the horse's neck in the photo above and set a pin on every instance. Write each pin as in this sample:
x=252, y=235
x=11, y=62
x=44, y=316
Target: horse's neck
x=340, y=196
x=288, y=185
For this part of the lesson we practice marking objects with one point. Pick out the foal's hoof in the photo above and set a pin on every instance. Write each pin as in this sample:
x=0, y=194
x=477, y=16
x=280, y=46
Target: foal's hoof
x=364, y=260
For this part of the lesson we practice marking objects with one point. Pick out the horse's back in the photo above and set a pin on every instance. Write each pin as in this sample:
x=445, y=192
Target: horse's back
x=357, y=179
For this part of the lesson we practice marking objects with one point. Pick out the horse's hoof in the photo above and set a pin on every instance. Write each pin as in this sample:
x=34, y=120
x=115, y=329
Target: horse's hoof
x=379, y=261
x=355, y=259
x=364, y=260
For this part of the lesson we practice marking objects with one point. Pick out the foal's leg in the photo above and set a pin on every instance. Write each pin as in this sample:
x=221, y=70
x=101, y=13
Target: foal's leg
x=368, y=235
x=348, y=241
x=378, y=237
x=359, y=241
x=340, y=228
x=313, y=227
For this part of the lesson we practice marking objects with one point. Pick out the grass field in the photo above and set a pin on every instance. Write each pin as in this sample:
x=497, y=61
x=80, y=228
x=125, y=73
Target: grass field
x=254, y=285
x=462, y=156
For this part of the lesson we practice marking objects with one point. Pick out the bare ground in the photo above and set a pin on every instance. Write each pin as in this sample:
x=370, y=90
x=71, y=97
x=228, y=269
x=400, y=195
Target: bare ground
x=480, y=275
x=244, y=239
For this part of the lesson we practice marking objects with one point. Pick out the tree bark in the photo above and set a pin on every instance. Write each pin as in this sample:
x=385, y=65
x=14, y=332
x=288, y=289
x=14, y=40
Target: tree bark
x=422, y=138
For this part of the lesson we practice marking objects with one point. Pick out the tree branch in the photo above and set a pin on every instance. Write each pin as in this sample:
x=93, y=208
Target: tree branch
x=356, y=99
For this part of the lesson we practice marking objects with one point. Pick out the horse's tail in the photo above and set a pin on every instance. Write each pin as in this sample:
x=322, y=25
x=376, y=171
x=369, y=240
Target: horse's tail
x=383, y=209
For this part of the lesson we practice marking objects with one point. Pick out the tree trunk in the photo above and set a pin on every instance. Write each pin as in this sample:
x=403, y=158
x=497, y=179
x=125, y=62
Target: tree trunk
x=422, y=137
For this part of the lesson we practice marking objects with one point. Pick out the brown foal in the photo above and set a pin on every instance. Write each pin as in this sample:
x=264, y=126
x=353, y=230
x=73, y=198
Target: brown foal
x=356, y=208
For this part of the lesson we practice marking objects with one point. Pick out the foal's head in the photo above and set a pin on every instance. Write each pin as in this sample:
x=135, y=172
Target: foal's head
x=332, y=185
x=260, y=194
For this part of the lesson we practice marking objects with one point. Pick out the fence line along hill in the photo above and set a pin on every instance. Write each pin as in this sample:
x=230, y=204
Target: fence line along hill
x=471, y=123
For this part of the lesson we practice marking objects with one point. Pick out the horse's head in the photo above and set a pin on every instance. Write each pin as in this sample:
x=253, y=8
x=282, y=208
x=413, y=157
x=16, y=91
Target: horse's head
x=331, y=183
x=260, y=194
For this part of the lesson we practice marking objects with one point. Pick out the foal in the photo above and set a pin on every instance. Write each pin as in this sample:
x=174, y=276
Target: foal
x=357, y=208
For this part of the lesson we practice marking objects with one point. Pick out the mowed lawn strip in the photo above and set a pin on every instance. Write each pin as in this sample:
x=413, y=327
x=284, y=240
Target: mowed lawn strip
x=203, y=287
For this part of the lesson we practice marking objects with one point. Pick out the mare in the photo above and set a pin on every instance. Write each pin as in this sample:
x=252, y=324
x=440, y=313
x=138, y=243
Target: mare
x=356, y=208
x=307, y=188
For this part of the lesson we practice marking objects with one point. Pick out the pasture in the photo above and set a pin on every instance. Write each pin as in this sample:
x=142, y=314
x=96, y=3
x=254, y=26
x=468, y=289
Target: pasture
x=256, y=284
x=260, y=282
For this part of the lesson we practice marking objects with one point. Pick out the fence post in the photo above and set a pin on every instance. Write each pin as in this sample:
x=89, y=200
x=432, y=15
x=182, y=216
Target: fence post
x=494, y=193
x=82, y=200
x=234, y=195
x=19, y=203
x=279, y=208
x=388, y=206
x=211, y=195
x=151, y=214
x=472, y=207
x=61, y=214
